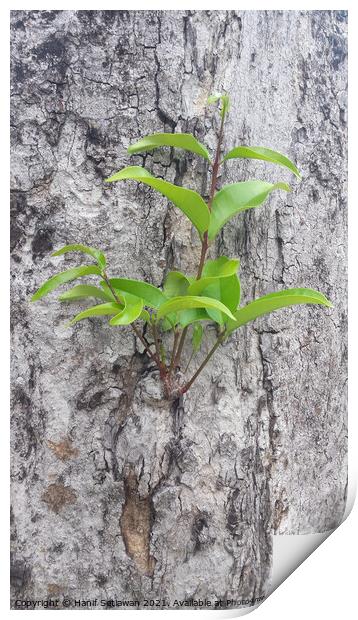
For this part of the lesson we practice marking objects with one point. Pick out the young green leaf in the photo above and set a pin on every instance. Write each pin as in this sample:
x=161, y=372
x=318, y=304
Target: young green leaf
x=222, y=266
x=169, y=322
x=276, y=301
x=184, y=303
x=77, y=247
x=225, y=102
x=193, y=315
x=151, y=295
x=197, y=337
x=227, y=290
x=259, y=152
x=130, y=313
x=213, y=270
x=83, y=291
x=63, y=277
x=145, y=316
x=100, y=310
x=176, y=283
x=188, y=201
x=184, y=141
x=237, y=197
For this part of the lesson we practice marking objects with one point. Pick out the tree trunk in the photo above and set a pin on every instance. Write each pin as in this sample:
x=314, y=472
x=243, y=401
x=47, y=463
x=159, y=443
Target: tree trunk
x=116, y=492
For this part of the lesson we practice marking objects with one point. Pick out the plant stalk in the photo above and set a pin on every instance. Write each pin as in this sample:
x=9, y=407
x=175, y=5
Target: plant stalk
x=175, y=344
x=162, y=367
x=205, y=241
x=188, y=385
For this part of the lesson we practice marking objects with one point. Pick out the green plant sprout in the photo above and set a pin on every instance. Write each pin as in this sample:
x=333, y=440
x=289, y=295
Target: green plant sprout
x=184, y=302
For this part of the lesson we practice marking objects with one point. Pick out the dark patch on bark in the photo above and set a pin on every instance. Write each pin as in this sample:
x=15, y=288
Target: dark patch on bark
x=19, y=574
x=53, y=48
x=18, y=209
x=57, y=496
x=42, y=242
x=200, y=531
x=64, y=449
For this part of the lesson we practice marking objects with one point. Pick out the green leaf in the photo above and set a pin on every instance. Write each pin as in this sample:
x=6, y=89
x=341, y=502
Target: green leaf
x=276, y=301
x=222, y=266
x=227, y=290
x=130, y=313
x=184, y=141
x=82, y=291
x=220, y=282
x=176, y=283
x=237, y=197
x=213, y=270
x=188, y=201
x=63, y=277
x=193, y=315
x=197, y=337
x=100, y=310
x=225, y=102
x=77, y=247
x=184, y=303
x=145, y=316
x=151, y=295
x=259, y=152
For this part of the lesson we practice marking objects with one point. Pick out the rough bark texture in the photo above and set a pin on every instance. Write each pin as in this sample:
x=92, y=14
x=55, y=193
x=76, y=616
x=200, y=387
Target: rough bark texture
x=115, y=492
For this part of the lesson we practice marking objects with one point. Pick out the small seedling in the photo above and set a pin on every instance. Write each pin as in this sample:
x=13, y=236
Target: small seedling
x=185, y=302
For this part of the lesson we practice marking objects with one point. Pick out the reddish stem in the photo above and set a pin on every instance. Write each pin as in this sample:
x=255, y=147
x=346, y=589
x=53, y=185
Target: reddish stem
x=205, y=241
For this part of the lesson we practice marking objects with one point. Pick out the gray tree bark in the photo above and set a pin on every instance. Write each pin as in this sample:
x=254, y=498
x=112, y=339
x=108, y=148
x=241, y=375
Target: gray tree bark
x=115, y=492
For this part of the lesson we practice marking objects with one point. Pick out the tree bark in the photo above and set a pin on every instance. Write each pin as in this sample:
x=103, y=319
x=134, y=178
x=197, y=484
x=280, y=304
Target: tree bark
x=116, y=492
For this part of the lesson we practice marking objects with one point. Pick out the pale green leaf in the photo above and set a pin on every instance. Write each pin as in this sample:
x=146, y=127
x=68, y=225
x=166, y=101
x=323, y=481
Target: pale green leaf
x=77, y=247
x=83, y=291
x=185, y=303
x=259, y=152
x=184, y=141
x=188, y=201
x=145, y=316
x=151, y=295
x=220, y=282
x=213, y=270
x=237, y=197
x=197, y=337
x=227, y=290
x=100, y=310
x=176, y=283
x=193, y=315
x=276, y=301
x=225, y=102
x=130, y=313
x=63, y=277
